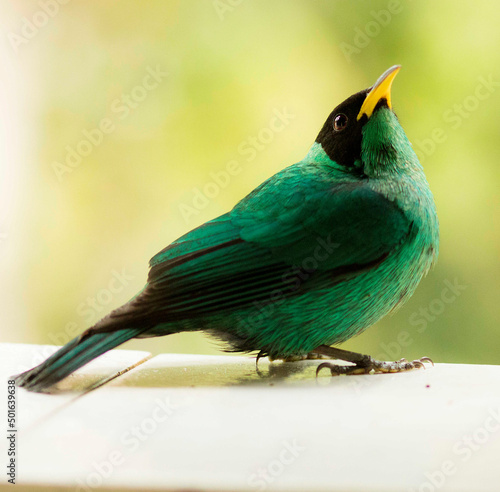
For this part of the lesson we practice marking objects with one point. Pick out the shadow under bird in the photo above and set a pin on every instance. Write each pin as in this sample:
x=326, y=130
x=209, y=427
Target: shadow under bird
x=310, y=258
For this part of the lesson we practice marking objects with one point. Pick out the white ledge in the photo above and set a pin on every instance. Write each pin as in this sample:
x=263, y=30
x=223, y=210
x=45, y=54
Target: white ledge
x=215, y=423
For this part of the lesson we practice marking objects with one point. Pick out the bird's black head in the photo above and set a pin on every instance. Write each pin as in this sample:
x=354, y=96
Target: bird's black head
x=342, y=133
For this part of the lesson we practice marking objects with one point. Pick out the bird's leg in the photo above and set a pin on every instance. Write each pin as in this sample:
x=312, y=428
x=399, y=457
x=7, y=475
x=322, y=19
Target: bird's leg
x=363, y=364
x=309, y=356
x=291, y=358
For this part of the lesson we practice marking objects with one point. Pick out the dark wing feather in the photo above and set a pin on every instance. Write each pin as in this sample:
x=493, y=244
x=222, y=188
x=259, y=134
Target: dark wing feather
x=264, y=244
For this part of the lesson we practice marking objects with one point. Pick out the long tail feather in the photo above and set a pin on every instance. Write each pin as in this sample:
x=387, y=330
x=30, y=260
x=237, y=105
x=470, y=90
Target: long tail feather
x=71, y=357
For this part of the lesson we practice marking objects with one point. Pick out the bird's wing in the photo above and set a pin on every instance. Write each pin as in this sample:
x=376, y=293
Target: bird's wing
x=285, y=227
x=358, y=223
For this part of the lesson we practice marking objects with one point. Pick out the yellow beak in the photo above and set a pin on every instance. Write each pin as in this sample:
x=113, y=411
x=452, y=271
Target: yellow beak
x=381, y=90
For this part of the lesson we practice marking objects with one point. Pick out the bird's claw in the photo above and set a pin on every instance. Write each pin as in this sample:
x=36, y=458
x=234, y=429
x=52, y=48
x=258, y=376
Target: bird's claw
x=375, y=366
x=259, y=356
x=426, y=359
x=338, y=370
x=417, y=364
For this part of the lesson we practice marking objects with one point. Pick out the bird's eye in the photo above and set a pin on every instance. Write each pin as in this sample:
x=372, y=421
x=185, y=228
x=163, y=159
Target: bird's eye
x=340, y=122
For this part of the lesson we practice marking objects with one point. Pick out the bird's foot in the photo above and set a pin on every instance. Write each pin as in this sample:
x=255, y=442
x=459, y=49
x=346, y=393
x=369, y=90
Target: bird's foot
x=374, y=366
x=364, y=364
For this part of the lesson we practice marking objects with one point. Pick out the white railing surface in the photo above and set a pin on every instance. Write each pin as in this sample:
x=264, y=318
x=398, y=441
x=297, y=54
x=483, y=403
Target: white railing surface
x=190, y=422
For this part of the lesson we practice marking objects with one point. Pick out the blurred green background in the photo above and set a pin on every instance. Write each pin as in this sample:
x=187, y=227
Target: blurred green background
x=75, y=241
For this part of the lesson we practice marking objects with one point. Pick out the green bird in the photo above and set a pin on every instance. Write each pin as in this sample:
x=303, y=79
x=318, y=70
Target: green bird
x=310, y=258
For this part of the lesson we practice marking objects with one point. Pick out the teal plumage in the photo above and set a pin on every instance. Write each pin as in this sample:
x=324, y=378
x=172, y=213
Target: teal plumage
x=313, y=256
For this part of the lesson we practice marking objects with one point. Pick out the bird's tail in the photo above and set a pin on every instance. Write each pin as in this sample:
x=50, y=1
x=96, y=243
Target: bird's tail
x=72, y=356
